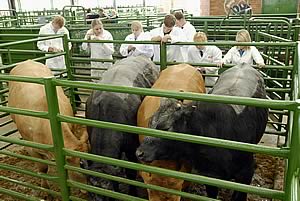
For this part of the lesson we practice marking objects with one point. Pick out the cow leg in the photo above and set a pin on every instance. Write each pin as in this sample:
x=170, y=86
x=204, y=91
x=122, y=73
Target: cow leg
x=42, y=168
x=244, y=176
x=211, y=191
x=131, y=174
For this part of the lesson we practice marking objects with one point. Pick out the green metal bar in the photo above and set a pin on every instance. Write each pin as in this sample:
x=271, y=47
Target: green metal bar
x=163, y=56
x=18, y=195
x=135, y=183
x=34, y=187
x=281, y=152
x=90, y=59
x=9, y=56
x=26, y=143
x=274, y=104
x=35, y=59
x=27, y=172
x=57, y=135
x=293, y=140
x=21, y=79
x=221, y=43
x=276, y=38
x=24, y=112
x=295, y=184
x=38, y=160
x=29, y=40
x=105, y=192
x=70, y=71
x=181, y=175
x=24, y=51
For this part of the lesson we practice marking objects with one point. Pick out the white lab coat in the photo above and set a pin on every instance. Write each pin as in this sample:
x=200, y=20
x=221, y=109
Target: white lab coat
x=174, y=52
x=189, y=31
x=99, y=51
x=56, y=62
x=141, y=49
x=250, y=55
x=211, y=54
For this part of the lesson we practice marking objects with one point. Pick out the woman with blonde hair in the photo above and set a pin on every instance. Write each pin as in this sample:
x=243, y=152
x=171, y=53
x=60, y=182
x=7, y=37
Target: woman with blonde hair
x=98, y=50
x=205, y=54
x=243, y=54
x=138, y=34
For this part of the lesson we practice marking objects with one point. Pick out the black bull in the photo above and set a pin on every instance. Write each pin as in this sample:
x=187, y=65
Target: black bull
x=117, y=108
x=231, y=122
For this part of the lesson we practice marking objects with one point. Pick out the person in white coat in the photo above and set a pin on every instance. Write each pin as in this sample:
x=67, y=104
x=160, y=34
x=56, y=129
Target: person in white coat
x=168, y=33
x=138, y=34
x=243, y=54
x=99, y=50
x=56, y=26
x=205, y=54
x=188, y=30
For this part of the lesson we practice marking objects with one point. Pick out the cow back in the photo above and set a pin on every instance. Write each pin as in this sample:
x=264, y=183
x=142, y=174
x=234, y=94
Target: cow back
x=241, y=80
x=33, y=97
x=182, y=77
x=119, y=107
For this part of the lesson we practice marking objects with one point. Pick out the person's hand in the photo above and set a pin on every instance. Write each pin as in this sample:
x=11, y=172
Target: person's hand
x=53, y=49
x=89, y=36
x=260, y=65
x=131, y=48
x=220, y=64
x=166, y=38
x=156, y=38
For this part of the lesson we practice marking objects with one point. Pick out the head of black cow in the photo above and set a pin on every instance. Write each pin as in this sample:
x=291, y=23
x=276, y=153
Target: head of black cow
x=172, y=115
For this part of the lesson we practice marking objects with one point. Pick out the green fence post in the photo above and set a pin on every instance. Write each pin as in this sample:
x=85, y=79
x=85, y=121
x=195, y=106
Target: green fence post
x=70, y=71
x=58, y=141
x=163, y=56
x=294, y=161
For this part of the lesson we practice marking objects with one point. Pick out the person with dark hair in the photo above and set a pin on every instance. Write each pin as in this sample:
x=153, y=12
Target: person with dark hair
x=102, y=13
x=91, y=15
x=168, y=33
x=188, y=30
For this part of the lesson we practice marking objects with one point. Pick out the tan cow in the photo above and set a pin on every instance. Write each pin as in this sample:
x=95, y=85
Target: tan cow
x=33, y=97
x=182, y=77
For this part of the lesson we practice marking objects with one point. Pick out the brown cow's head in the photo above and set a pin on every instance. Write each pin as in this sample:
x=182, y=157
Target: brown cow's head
x=167, y=182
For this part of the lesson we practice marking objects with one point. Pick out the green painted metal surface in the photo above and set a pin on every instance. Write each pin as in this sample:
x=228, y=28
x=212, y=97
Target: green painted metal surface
x=279, y=6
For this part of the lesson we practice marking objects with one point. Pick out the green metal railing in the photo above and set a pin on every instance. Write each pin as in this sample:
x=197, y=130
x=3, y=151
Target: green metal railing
x=289, y=152
x=56, y=118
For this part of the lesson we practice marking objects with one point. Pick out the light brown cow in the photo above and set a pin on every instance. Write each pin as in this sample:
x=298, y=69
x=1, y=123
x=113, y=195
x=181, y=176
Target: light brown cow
x=32, y=96
x=182, y=77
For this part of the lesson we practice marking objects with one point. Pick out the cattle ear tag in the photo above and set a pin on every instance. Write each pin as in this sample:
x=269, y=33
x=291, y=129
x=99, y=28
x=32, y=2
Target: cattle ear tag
x=178, y=106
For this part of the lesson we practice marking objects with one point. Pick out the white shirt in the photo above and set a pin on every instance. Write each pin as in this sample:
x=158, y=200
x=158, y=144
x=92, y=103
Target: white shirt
x=56, y=62
x=189, y=32
x=211, y=54
x=141, y=49
x=249, y=55
x=174, y=52
x=99, y=50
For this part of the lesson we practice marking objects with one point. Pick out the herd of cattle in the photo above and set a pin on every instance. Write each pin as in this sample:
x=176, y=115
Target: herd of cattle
x=224, y=121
